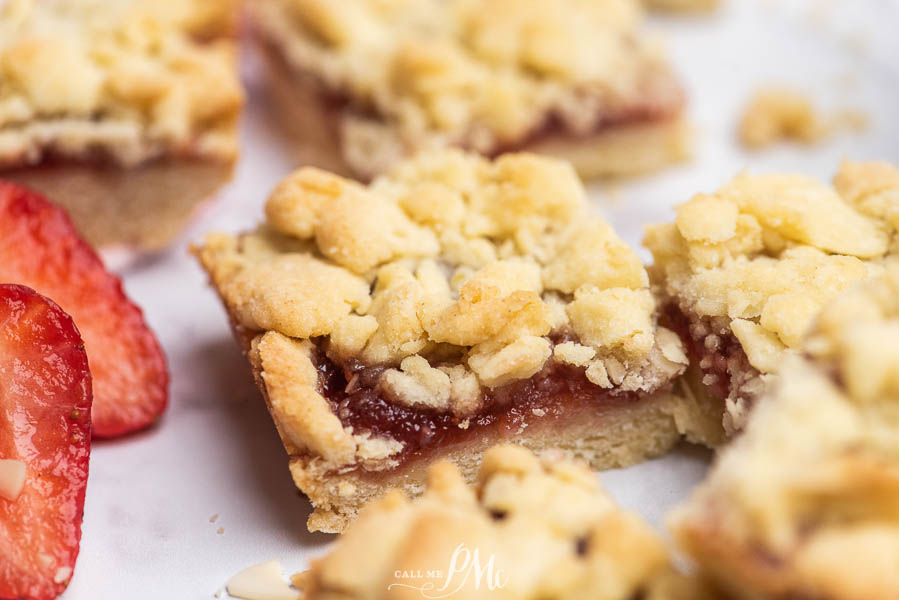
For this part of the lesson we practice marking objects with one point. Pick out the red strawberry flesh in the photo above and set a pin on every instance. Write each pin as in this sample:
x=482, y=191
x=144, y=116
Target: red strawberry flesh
x=40, y=248
x=45, y=405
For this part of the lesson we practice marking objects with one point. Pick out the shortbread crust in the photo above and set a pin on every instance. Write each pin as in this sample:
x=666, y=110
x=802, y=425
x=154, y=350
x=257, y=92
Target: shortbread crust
x=101, y=90
x=744, y=271
x=452, y=303
x=537, y=528
x=571, y=79
x=803, y=504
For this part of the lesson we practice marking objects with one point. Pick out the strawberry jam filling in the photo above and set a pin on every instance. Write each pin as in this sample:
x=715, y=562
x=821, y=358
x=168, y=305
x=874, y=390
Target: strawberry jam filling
x=507, y=410
x=714, y=352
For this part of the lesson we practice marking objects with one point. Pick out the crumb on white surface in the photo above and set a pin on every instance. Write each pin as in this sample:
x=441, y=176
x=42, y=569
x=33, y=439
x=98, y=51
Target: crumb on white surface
x=264, y=581
x=214, y=518
x=776, y=114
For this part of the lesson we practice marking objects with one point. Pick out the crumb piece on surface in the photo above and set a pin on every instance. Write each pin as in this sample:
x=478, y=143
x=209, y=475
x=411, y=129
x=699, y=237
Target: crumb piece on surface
x=777, y=114
x=214, y=518
x=264, y=581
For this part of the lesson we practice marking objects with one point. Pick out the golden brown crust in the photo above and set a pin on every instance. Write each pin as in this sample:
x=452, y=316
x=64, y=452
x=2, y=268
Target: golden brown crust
x=803, y=503
x=433, y=78
x=142, y=208
x=753, y=263
x=454, y=276
x=613, y=438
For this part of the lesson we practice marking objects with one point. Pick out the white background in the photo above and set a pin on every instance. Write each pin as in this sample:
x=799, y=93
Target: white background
x=150, y=497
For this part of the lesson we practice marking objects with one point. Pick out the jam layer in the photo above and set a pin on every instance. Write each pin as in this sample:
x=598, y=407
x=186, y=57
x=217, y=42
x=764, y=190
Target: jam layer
x=713, y=351
x=508, y=410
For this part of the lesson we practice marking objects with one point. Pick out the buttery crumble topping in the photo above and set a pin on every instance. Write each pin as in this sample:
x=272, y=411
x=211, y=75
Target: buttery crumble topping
x=856, y=337
x=453, y=274
x=546, y=527
x=760, y=257
x=130, y=79
x=484, y=75
x=812, y=482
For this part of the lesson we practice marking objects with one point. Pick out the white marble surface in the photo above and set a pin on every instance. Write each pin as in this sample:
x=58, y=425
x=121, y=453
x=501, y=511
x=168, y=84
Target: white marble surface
x=147, y=530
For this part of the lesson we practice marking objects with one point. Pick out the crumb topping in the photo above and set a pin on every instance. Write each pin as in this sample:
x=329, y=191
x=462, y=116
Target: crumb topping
x=766, y=252
x=130, y=79
x=454, y=275
x=544, y=525
x=482, y=75
x=812, y=481
x=856, y=335
x=503, y=259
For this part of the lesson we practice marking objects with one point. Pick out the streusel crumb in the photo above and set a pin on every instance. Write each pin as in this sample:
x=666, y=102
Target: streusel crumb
x=453, y=275
x=802, y=504
x=131, y=79
x=538, y=528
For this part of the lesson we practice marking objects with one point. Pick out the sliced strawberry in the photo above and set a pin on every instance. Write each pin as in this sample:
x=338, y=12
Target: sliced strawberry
x=45, y=430
x=40, y=248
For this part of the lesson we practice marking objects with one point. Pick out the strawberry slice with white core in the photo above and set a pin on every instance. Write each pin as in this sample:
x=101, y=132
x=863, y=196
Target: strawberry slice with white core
x=45, y=440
